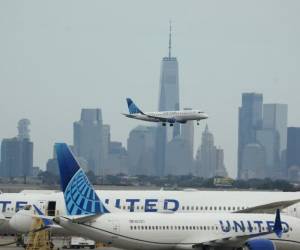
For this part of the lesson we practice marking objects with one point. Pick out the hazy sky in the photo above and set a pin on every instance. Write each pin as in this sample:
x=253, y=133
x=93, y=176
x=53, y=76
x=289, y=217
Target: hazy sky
x=57, y=57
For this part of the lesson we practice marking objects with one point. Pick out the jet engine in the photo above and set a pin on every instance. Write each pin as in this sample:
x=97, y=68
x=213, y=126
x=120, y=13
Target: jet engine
x=259, y=244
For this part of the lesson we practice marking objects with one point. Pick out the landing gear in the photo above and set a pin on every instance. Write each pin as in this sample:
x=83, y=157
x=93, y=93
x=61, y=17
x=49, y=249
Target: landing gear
x=164, y=124
x=171, y=124
x=198, y=123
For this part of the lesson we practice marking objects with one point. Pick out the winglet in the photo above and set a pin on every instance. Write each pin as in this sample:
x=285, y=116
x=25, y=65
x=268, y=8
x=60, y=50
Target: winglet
x=278, y=225
x=133, y=109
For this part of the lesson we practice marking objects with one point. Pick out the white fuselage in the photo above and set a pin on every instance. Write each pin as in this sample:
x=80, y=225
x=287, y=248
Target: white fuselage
x=182, y=230
x=181, y=116
x=151, y=201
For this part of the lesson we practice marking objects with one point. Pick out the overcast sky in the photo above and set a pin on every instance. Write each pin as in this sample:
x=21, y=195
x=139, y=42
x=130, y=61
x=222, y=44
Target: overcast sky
x=57, y=57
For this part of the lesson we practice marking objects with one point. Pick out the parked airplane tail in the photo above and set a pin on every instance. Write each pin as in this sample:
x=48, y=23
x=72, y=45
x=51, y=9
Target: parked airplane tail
x=80, y=197
x=278, y=225
x=133, y=109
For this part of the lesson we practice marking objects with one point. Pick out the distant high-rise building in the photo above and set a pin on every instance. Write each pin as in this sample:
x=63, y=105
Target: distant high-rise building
x=250, y=120
x=141, y=148
x=187, y=133
x=269, y=140
x=17, y=154
x=23, y=129
x=253, y=162
x=275, y=118
x=209, y=160
x=88, y=139
x=292, y=155
x=168, y=100
x=220, y=169
x=117, y=159
x=179, y=161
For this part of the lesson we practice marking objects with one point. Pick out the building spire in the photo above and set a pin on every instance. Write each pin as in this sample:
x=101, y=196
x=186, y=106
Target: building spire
x=170, y=39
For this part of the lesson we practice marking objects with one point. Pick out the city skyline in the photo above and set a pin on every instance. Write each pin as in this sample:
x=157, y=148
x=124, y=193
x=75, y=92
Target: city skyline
x=52, y=68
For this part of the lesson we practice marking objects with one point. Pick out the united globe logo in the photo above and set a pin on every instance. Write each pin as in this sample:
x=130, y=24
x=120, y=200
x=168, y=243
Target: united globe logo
x=81, y=198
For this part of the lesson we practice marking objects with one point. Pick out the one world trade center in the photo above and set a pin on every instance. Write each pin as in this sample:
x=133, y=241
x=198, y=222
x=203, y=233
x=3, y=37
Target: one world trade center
x=168, y=101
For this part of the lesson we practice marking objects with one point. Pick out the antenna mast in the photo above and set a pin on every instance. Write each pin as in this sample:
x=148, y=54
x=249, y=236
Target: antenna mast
x=170, y=39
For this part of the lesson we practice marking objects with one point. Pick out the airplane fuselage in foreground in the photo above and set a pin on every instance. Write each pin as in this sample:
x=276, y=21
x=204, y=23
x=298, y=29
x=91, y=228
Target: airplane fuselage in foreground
x=186, y=231
x=149, y=201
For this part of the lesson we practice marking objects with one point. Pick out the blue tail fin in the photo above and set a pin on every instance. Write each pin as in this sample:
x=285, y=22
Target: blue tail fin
x=80, y=197
x=278, y=225
x=133, y=109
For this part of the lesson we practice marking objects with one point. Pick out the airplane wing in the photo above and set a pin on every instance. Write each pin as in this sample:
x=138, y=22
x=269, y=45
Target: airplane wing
x=269, y=208
x=162, y=119
x=128, y=115
x=82, y=218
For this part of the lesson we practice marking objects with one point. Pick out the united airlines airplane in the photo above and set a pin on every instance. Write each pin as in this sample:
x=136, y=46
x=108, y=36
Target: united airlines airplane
x=171, y=117
x=89, y=217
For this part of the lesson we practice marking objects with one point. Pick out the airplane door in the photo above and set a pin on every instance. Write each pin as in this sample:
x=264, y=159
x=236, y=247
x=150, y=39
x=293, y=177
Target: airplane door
x=51, y=209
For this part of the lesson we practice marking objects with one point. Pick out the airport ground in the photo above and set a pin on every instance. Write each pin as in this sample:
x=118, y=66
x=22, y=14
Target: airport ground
x=58, y=243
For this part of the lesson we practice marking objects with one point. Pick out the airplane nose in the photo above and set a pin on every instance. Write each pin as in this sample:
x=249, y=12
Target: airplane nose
x=21, y=222
x=205, y=116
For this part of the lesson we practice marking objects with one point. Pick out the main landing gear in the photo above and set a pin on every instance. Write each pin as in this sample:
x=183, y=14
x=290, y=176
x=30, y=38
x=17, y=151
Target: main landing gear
x=164, y=124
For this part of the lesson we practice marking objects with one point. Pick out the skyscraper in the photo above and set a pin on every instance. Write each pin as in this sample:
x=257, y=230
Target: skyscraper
x=250, y=120
x=275, y=117
x=179, y=161
x=292, y=155
x=141, y=148
x=17, y=153
x=88, y=139
x=168, y=100
x=210, y=159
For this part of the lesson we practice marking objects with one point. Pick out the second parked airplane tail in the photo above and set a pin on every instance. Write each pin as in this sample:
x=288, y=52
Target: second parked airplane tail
x=80, y=196
x=133, y=109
